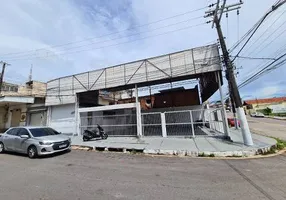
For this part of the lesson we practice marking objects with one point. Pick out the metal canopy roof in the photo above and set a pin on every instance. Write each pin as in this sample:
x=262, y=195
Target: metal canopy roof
x=187, y=64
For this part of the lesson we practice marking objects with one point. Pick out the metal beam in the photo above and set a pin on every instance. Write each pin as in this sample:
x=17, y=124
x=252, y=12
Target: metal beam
x=80, y=82
x=158, y=69
x=97, y=79
x=136, y=71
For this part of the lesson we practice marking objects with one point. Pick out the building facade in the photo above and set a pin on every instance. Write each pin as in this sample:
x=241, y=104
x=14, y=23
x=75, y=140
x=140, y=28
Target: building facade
x=75, y=102
x=276, y=104
x=23, y=105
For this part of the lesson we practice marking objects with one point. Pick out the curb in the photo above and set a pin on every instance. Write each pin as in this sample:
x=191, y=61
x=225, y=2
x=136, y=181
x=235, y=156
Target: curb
x=254, y=153
x=276, y=118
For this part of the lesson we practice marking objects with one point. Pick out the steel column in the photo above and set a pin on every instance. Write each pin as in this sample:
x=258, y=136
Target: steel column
x=192, y=123
x=163, y=124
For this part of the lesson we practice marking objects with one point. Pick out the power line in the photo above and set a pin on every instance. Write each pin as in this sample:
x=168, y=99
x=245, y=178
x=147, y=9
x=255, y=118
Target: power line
x=257, y=24
x=267, y=67
x=269, y=43
x=254, y=58
x=196, y=25
x=276, y=54
x=113, y=33
x=263, y=73
x=274, y=7
x=109, y=40
x=266, y=30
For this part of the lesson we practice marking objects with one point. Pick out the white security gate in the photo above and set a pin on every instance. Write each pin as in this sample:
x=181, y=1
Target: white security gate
x=116, y=120
x=186, y=123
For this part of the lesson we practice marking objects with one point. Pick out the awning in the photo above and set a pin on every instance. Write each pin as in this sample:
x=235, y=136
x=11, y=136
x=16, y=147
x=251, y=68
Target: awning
x=16, y=100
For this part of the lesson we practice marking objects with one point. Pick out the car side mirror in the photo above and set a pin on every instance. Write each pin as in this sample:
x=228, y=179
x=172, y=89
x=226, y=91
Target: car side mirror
x=24, y=136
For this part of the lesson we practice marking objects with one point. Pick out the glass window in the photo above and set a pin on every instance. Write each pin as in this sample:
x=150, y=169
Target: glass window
x=40, y=132
x=23, y=131
x=13, y=131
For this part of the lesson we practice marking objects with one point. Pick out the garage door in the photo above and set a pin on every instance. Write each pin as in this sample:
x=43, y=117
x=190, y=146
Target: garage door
x=62, y=118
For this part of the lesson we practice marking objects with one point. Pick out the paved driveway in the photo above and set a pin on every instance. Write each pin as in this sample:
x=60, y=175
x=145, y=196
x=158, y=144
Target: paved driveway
x=96, y=175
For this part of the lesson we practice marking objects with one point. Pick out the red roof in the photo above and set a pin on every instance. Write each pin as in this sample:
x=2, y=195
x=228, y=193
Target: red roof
x=269, y=100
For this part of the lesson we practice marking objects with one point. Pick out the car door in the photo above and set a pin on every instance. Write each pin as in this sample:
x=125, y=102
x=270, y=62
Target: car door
x=20, y=143
x=8, y=139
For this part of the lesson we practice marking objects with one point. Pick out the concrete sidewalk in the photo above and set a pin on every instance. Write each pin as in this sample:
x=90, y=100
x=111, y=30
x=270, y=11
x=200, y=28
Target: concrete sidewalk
x=199, y=146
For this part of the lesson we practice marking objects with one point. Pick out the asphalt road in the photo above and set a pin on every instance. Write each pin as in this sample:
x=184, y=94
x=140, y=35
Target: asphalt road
x=268, y=127
x=96, y=175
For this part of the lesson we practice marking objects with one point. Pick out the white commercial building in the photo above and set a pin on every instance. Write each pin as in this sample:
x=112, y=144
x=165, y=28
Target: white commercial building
x=74, y=100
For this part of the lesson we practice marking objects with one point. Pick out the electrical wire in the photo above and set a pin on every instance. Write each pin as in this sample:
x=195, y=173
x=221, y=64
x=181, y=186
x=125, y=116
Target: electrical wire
x=112, y=45
x=109, y=34
x=261, y=71
x=261, y=35
x=254, y=58
x=112, y=39
x=254, y=28
x=269, y=43
x=266, y=71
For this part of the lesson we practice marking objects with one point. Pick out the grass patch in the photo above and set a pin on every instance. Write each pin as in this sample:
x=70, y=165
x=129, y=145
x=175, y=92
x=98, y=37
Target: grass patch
x=206, y=155
x=202, y=155
x=281, y=144
x=135, y=151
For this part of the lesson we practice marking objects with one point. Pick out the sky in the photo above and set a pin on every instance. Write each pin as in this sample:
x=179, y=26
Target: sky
x=60, y=38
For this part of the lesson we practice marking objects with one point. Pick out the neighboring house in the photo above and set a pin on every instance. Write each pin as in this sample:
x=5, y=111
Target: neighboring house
x=10, y=87
x=22, y=105
x=277, y=104
x=170, y=98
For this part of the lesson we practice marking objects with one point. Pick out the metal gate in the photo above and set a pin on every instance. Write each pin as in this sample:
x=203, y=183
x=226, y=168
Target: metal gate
x=151, y=124
x=187, y=123
x=116, y=120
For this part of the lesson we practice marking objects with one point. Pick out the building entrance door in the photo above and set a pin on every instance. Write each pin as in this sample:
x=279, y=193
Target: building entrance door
x=16, y=116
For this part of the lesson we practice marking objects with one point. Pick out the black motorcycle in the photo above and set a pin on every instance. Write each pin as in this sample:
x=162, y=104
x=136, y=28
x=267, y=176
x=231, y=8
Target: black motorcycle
x=97, y=133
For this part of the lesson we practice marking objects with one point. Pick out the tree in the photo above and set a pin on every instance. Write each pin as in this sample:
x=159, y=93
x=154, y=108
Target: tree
x=267, y=111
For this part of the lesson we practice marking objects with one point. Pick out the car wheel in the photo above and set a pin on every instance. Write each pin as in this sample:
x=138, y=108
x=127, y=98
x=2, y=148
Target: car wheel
x=32, y=152
x=2, y=149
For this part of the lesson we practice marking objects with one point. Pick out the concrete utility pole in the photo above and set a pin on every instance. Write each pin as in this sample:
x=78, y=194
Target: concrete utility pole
x=247, y=138
x=31, y=73
x=4, y=64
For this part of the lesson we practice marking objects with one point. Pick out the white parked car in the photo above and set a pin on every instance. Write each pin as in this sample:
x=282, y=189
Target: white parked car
x=34, y=141
x=257, y=114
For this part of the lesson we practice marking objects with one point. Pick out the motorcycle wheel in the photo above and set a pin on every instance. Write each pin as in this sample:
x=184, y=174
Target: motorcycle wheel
x=85, y=138
x=105, y=136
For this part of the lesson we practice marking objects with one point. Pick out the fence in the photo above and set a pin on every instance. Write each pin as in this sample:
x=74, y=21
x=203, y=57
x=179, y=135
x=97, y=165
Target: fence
x=182, y=123
x=123, y=122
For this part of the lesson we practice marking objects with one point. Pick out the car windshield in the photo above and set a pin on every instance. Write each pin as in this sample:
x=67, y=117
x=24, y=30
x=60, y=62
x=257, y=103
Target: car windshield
x=40, y=132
